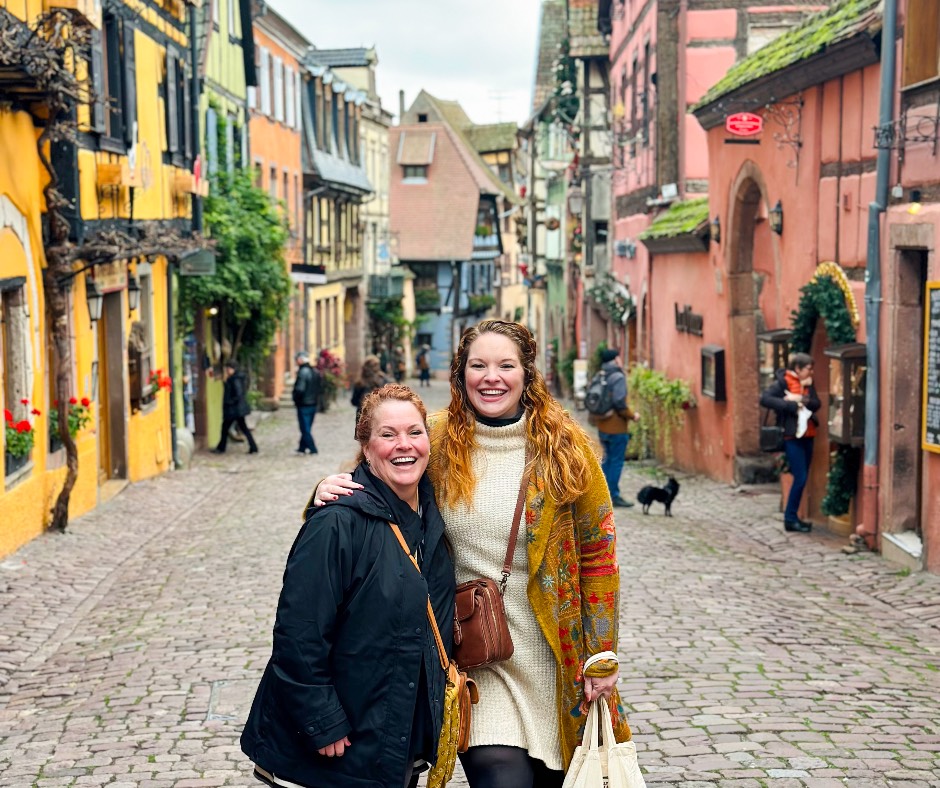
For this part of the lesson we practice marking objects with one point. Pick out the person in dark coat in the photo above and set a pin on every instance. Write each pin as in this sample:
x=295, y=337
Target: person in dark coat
x=353, y=693
x=793, y=398
x=306, y=395
x=371, y=378
x=613, y=428
x=235, y=407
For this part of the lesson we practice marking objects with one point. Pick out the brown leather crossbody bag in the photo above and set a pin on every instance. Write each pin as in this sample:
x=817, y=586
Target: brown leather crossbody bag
x=481, y=632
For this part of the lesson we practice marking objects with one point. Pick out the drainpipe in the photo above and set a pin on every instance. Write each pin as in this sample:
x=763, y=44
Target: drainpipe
x=868, y=525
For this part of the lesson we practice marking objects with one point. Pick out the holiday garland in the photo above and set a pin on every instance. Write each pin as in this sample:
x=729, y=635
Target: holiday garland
x=828, y=295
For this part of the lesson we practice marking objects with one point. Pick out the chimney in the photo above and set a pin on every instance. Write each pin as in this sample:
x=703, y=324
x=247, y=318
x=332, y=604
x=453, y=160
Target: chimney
x=401, y=105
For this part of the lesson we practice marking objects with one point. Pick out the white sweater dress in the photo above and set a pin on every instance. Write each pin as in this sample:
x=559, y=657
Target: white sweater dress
x=517, y=697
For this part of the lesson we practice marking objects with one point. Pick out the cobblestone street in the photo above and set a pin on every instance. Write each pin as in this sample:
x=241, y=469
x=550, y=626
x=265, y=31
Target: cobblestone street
x=131, y=646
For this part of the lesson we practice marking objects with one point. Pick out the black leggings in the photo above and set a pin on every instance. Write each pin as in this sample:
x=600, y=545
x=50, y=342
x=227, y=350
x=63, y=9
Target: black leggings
x=496, y=766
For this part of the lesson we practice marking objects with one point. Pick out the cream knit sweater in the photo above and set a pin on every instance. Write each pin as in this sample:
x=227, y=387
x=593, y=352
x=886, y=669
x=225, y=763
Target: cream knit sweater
x=517, y=697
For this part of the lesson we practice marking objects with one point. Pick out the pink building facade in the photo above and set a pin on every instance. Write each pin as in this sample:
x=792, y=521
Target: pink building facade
x=816, y=161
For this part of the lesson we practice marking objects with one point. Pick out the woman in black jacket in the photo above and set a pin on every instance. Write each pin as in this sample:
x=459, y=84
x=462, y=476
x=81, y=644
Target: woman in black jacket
x=353, y=693
x=235, y=407
x=793, y=398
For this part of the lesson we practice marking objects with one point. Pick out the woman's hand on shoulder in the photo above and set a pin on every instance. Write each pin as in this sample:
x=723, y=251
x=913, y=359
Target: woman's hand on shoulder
x=332, y=487
x=336, y=749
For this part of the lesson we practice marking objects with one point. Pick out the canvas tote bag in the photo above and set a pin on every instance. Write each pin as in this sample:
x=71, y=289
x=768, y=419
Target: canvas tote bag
x=604, y=764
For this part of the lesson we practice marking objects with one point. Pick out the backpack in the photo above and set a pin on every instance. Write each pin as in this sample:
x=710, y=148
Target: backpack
x=597, y=398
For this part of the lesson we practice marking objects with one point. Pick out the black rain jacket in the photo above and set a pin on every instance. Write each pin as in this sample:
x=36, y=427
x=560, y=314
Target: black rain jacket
x=353, y=654
x=307, y=387
x=774, y=398
x=235, y=397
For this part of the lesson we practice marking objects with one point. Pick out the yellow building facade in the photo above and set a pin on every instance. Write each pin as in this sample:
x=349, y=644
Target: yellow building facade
x=130, y=170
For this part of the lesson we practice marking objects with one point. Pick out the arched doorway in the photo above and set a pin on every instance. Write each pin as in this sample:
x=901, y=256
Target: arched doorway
x=748, y=208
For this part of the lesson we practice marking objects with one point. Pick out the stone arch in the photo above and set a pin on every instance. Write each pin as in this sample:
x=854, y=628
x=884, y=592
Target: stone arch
x=747, y=206
x=14, y=220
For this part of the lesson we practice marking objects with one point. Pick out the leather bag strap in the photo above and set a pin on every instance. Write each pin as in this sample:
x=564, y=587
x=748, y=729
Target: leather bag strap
x=442, y=655
x=514, y=533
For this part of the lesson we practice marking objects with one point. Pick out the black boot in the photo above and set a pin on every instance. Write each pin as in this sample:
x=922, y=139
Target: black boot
x=799, y=526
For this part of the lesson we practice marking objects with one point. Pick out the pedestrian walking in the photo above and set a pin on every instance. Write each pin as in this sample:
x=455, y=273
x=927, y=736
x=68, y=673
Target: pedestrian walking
x=562, y=595
x=371, y=378
x=234, y=407
x=793, y=398
x=398, y=361
x=306, y=394
x=424, y=366
x=353, y=693
x=613, y=425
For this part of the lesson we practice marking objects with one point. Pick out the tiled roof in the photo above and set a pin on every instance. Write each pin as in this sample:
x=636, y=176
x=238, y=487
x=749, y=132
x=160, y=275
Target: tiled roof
x=416, y=146
x=338, y=58
x=436, y=220
x=842, y=21
x=682, y=218
x=492, y=137
x=552, y=30
x=585, y=38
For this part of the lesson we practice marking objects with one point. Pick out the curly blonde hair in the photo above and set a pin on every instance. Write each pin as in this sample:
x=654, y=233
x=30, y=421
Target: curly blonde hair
x=554, y=440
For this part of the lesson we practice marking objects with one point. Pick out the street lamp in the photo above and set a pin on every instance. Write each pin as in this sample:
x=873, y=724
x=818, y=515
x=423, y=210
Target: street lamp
x=776, y=218
x=133, y=293
x=575, y=201
x=95, y=299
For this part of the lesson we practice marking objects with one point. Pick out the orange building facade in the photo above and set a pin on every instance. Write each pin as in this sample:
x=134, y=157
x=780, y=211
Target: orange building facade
x=274, y=142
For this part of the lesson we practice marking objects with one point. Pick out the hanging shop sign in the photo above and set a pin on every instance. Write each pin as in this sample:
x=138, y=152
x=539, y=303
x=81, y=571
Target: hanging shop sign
x=744, y=124
x=111, y=277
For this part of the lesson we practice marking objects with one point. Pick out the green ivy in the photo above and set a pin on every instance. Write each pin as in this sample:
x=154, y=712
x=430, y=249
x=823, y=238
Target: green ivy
x=661, y=403
x=251, y=287
x=821, y=298
x=841, y=481
x=566, y=368
x=609, y=294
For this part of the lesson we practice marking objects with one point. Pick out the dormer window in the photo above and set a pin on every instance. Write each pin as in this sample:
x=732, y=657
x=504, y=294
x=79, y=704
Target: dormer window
x=422, y=117
x=416, y=173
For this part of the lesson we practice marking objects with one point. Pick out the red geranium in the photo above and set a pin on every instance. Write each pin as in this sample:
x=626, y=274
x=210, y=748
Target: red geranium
x=23, y=426
x=73, y=401
x=36, y=412
x=7, y=416
x=86, y=402
x=24, y=402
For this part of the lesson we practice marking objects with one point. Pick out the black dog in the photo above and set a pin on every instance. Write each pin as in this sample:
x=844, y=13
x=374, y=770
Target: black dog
x=649, y=495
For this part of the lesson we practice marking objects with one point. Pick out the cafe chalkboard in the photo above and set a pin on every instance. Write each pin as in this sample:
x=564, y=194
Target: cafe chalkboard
x=931, y=419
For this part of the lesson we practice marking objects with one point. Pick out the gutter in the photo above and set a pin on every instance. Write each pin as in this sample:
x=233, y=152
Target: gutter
x=868, y=522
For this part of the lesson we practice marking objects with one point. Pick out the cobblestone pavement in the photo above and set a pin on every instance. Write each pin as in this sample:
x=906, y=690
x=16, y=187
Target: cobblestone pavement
x=131, y=645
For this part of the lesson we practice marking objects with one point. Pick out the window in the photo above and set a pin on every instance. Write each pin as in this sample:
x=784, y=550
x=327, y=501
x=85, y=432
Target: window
x=272, y=183
x=114, y=82
x=285, y=195
x=14, y=347
x=298, y=108
x=335, y=119
x=230, y=22
x=178, y=103
x=259, y=175
x=212, y=142
x=350, y=154
x=216, y=13
x=422, y=117
x=298, y=205
x=264, y=82
x=921, y=42
x=278, y=89
x=324, y=223
x=230, y=144
x=416, y=173
x=289, y=97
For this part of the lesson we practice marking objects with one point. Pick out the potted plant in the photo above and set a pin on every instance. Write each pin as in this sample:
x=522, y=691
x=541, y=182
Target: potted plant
x=841, y=486
x=662, y=403
x=19, y=438
x=78, y=415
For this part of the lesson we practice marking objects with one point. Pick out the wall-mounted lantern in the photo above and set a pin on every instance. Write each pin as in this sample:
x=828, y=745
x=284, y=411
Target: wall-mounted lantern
x=95, y=299
x=715, y=230
x=133, y=293
x=776, y=218
x=773, y=350
x=848, y=366
x=575, y=201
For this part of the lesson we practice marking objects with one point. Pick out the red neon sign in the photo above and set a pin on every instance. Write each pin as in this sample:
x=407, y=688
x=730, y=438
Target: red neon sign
x=744, y=124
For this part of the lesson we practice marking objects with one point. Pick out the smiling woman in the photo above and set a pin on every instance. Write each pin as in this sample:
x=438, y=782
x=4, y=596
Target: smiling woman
x=349, y=697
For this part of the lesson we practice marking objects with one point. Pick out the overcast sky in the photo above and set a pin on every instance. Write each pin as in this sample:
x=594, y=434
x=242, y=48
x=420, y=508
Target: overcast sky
x=478, y=52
